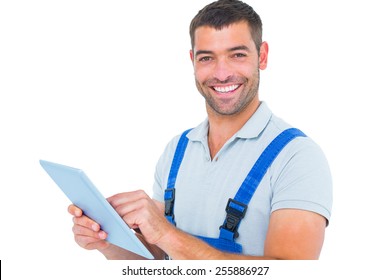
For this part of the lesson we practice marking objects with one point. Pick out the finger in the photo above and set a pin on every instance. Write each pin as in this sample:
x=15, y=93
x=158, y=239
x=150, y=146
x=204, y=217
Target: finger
x=80, y=230
x=90, y=243
x=75, y=211
x=86, y=222
x=124, y=209
x=126, y=197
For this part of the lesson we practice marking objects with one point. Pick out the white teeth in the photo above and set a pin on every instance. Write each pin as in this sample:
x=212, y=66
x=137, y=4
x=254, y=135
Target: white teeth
x=226, y=89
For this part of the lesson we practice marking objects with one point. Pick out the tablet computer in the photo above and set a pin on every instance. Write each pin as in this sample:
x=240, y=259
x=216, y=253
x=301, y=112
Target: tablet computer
x=82, y=193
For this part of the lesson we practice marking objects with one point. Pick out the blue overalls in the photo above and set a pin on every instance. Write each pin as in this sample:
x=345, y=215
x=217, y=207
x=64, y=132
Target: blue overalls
x=236, y=207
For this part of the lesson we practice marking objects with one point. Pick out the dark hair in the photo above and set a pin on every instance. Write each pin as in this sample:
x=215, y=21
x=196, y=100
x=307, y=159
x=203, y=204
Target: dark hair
x=223, y=13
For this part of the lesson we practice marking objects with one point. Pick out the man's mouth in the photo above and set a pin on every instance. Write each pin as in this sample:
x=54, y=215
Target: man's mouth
x=226, y=89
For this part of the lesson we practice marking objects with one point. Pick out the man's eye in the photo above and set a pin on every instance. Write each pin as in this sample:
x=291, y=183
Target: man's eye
x=239, y=55
x=205, y=59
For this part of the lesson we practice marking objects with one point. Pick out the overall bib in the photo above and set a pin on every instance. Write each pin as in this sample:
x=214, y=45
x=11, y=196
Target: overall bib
x=236, y=207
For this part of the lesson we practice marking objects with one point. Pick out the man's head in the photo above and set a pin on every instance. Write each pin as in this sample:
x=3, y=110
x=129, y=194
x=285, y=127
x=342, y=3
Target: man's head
x=223, y=13
x=227, y=54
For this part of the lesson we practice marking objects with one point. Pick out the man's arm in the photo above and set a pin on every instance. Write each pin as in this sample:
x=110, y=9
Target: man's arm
x=295, y=234
x=292, y=234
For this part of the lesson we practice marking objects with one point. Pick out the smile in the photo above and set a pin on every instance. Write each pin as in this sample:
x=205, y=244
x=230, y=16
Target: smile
x=226, y=89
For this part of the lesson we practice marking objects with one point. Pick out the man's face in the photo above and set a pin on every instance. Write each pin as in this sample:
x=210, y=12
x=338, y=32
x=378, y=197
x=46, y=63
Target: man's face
x=226, y=65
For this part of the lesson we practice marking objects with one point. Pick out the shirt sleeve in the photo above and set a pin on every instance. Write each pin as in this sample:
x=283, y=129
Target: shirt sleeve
x=302, y=179
x=162, y=170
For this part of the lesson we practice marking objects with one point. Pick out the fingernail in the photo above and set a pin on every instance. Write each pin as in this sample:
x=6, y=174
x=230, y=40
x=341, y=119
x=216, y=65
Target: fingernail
x=95, y=227
x=102, y=235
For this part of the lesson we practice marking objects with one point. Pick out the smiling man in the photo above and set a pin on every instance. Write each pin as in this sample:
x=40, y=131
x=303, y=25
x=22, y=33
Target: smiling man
x=243, y=184
x=227, y=75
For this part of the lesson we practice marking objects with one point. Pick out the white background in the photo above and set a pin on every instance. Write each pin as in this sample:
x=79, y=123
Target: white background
x=104, y=85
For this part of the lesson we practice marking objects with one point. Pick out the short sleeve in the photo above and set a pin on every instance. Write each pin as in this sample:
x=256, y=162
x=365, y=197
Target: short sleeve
x=302, y=179
x=163, y=167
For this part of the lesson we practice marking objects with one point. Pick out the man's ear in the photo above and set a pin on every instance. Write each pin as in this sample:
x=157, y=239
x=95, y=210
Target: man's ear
x=192, y=56
x=263, y=57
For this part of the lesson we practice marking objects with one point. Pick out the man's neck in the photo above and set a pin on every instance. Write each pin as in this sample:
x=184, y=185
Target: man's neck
x=222, y=128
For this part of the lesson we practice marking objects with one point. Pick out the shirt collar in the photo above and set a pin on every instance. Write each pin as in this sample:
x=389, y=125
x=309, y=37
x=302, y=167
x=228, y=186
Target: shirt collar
x=256, y=124
x=251, y=129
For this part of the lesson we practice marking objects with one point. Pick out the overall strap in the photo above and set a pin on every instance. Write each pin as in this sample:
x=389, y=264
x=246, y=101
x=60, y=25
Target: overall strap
x=169, y=195
x=236, y=208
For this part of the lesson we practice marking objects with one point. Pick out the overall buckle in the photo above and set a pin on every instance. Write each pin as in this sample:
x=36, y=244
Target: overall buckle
x=169, y=198
x=235, y=213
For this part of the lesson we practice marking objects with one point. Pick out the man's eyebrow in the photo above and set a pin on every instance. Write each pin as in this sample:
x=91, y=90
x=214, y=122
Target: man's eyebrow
x=238, y=48
x=202, y=52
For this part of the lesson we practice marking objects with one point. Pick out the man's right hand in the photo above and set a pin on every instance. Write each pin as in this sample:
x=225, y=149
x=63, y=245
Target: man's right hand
x=88, y=235
x=87, y=232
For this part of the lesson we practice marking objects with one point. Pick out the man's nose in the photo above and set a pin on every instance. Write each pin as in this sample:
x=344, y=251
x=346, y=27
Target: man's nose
x=222, y=71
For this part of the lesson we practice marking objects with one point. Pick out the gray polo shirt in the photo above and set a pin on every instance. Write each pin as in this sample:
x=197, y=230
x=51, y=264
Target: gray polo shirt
x=299, y=178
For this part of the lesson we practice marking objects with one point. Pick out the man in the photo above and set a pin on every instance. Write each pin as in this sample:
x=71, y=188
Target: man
x=198, y=177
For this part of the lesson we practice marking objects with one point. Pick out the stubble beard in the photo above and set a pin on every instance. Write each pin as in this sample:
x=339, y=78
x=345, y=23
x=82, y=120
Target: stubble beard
x=222, y=107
